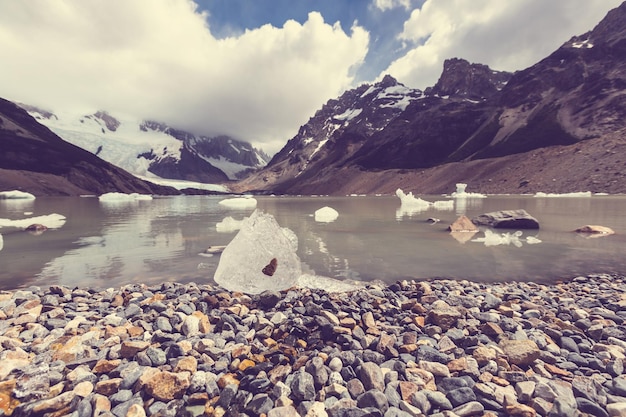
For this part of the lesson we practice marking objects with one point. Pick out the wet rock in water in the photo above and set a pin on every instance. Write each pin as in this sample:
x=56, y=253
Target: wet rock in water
x=595, y=230
x=463, y=224
x=507, y=219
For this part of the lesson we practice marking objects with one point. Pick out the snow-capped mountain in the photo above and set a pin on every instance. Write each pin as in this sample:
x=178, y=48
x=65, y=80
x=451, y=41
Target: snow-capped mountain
x=36, y=160
x=473, y=113
x=149, y=148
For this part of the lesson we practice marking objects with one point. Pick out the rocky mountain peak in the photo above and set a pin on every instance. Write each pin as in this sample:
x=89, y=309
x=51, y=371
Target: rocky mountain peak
x=109, y=121
x=474, y=81
x=612, y=29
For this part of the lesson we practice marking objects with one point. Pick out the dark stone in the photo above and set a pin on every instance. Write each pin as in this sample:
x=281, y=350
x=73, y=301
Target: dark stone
x=373, y=398
x=591, y=408
x=461, y=396
x=507, y=219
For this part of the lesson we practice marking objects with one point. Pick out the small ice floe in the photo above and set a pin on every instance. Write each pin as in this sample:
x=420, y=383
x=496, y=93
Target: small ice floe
x=326, y=215
x=444, y=205
x=115, y=197
x=496, y=239
x=1, y=242
x=228, y=225
x=49, y=221
x=515, y=239
x=461, y=193
x=16, y=195
x=577, y=194
x=245, y=202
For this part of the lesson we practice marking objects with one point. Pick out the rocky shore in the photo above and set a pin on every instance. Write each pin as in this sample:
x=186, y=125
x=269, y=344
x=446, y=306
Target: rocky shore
x=432, y=348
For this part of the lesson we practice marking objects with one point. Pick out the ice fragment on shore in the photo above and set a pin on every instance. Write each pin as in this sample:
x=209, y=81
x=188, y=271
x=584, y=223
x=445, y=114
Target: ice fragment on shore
x=16, y=195
x=124, y=197
x=245, y=202
x=259, y=241
x=326, y=215
x=228, y=225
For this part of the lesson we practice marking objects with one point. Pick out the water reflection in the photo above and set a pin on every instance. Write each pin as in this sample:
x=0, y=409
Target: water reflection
x=109, y=244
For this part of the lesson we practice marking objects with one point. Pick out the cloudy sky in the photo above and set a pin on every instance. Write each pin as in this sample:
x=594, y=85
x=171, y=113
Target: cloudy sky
x=258, y=69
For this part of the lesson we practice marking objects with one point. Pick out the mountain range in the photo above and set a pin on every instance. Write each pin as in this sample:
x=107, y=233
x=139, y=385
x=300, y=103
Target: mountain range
x=150, y=148
x=556, y=126
x=36, y=160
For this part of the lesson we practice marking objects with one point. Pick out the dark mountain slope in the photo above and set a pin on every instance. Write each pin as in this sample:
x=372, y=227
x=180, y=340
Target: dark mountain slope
x=473, y=113
x=34, y=159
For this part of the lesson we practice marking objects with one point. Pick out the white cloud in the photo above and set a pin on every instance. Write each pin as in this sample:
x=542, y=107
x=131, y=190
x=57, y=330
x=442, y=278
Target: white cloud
x=392, y=4
x=509, y=35
x=159, y=60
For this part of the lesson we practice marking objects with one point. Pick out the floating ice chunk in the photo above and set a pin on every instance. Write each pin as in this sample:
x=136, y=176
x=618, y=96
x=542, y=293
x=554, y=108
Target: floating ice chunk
x=461, y=193
x=532, y=240
x=444, y=205
x=1, y=242
x=495, y=239
x=410, y=200
x=246, y=202
x=326, y=215
x=124, y=197
x=245, y=264
x=16, y=195
x=51, y=221
x=577, y=194
x=228, y=225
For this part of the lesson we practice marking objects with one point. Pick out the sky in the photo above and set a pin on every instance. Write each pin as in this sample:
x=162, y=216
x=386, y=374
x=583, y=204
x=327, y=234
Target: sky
x=259, y=69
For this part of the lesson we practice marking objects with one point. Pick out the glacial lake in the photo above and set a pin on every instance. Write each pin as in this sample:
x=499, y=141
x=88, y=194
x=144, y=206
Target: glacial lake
x=108, y=244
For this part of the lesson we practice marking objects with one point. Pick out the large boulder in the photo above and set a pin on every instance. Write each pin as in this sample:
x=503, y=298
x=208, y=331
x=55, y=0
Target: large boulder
x=463, y=224
x=507, y=219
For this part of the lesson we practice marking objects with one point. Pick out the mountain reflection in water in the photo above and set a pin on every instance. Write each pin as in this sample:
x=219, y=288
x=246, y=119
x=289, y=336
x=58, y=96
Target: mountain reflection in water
x=374, y=238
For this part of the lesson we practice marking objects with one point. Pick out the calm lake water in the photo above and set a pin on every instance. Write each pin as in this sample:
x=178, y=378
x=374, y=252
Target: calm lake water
x=374, y=238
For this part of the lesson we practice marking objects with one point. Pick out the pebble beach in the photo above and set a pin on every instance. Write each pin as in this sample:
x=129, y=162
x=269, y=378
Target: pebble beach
x=414, y=348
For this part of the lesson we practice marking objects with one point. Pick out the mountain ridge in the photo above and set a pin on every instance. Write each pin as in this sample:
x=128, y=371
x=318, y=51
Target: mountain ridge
x=152, y=148
x=473, y=113
x=36, y=160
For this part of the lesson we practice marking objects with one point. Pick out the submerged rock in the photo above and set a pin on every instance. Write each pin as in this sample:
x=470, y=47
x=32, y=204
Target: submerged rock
x=595, y=230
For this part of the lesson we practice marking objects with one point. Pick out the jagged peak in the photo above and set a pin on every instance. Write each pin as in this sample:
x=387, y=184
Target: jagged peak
x=109, y=121
x=460, y=78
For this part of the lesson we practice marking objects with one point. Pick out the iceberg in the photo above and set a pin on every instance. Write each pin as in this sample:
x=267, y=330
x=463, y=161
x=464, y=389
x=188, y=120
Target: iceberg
x=16, y=195
x=228, y=225
x=51, y=221
x=577, y=194
x=411, y=201
x=246, y=202
x=326, y=215
x=115, y=197
x=461, y=193
x=262, y=256
x=444, y=205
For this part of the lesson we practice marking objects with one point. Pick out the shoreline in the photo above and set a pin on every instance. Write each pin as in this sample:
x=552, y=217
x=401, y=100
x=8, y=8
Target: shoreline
x=434, y=347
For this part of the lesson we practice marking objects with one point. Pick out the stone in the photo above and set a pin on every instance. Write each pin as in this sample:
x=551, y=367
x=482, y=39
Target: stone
x=166, y=386
x=373, y=398
x=507, y=219
x=372, y=376
x=595, y=230
x=130, y=348
x=463, y=224
x=303, y=386
x=520, y=352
